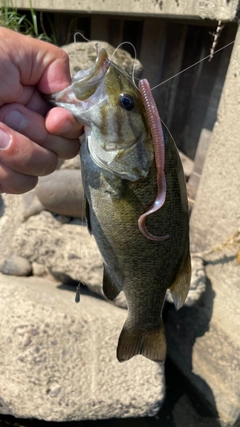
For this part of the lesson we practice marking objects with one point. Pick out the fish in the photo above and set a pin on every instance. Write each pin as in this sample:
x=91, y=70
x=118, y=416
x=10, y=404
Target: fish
x=136, y=200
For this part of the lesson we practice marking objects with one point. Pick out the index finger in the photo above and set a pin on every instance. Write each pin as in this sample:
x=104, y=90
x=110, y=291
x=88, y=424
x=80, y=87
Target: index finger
x=38, y=62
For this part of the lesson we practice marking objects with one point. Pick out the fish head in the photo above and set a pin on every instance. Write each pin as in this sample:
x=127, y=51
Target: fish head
x=108, y=103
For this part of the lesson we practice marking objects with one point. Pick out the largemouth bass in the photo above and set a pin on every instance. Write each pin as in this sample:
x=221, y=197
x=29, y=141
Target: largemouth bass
x=136, y=200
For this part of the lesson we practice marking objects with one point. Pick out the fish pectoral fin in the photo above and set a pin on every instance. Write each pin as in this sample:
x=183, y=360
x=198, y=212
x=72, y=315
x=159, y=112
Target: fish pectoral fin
x=110, y=290
x=148, y=343
x=180, y=287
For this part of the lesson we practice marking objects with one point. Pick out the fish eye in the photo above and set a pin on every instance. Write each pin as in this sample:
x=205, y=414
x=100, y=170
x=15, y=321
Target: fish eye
x=126, y=101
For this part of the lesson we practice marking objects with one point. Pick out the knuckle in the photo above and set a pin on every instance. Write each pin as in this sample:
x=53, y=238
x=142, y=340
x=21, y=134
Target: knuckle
x=64, y=56
x=18, y=183
x=26, y=185
x=50, y=165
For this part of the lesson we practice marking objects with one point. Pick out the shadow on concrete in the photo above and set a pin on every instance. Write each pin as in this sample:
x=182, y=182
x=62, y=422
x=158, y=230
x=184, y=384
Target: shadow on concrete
x=223, y=259
x=2, y=207
x=183, y=328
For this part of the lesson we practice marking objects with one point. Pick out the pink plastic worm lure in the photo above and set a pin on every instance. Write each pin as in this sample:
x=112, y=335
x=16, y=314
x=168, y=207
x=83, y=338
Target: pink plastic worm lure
x=159, y=150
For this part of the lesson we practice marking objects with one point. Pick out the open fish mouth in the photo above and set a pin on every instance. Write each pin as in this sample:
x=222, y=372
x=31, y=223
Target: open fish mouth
x=84, y=85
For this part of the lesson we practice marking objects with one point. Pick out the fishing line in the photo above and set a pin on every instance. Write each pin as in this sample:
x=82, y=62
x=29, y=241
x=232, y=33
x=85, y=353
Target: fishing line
x=210, y=56
x=135, y=59
x=125, y=74
x=81, y=283
x=193, y=65
x=81, y=35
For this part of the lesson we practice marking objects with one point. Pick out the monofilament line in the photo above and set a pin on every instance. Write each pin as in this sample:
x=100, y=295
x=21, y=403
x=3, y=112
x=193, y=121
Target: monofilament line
x=193, y=65
x=135, y=58
x=81, y=35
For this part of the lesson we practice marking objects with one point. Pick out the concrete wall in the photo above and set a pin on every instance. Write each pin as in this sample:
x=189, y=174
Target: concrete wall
x=216, y=215
x=202, y=9
x=206, y=343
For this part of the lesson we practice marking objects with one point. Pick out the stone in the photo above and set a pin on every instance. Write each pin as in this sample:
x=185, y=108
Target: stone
x=62, y=251
x=31, y=203
x=58, y=358
x=16, y=266
x=67, y=251
x=198, y=282
x=40, y=270
x=71, y=163
x=82, y=55
x=62, y=193
x=11, y=216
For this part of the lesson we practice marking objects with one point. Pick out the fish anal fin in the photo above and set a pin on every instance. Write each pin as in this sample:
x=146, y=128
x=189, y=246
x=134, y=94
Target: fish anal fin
x=149, y=343
x=110, y=289
x=180, y=287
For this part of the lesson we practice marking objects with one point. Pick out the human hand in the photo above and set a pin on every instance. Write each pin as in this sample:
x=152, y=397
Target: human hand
x=32, y=134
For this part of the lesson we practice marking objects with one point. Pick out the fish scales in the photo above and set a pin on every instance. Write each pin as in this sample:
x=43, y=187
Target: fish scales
x=119, y=178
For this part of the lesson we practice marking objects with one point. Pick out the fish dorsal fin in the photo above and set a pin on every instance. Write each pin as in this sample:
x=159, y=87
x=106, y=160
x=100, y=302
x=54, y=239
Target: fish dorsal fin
x=180, y=287
x=110, y=289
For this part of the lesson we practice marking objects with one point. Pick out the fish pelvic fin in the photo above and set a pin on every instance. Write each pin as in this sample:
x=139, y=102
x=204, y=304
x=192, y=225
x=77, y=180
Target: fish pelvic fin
x=110, y=289
x=180, y=287
x=149, y=343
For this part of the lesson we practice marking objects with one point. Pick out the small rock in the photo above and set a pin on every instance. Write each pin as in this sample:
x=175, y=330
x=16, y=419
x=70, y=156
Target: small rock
x=62, y=193
x=198, y=282
x=39, y=270
x=16, y=266
x=65, y=252
x=71, y=163
x=31, y=203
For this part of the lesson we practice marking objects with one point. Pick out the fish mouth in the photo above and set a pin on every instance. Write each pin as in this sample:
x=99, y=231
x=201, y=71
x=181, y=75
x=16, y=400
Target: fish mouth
x=84, y=84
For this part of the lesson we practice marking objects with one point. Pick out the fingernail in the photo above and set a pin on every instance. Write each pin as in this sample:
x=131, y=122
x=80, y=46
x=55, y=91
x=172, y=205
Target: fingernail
x=66, y=126
x=5, y=140
x=15, y=120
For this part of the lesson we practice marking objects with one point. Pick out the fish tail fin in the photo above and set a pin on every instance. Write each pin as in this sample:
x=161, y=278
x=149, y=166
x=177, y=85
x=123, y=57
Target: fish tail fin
x=148, y=343
x=180, y=287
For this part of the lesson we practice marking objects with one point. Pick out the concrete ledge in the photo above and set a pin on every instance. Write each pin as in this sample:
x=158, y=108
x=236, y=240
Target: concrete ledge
x=58, y=358
x=204, y=9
